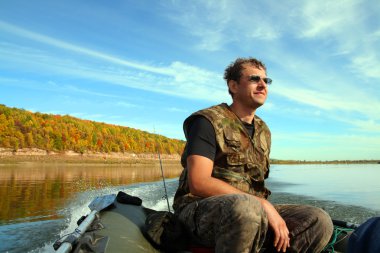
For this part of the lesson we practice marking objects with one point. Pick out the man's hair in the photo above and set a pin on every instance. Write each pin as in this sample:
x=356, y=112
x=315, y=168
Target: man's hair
x=233, y=71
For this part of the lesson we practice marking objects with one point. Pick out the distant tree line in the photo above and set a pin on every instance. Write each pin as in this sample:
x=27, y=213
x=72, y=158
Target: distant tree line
x=23, y=129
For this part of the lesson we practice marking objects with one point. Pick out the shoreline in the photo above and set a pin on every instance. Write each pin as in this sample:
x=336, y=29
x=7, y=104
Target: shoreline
x=8, y=155
x=39, y=155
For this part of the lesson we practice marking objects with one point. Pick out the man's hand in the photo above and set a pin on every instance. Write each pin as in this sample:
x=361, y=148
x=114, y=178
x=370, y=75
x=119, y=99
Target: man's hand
x=277, y=223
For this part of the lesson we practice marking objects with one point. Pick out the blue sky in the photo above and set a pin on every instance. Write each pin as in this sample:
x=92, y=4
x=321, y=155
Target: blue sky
x=149, y=64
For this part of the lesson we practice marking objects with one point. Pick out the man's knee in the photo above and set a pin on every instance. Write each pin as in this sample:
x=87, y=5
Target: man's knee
x=320, y=230
x=324, y=222
x=321, y=218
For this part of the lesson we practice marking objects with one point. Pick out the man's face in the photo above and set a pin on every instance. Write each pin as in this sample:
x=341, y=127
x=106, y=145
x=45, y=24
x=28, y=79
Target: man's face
x=248, y=92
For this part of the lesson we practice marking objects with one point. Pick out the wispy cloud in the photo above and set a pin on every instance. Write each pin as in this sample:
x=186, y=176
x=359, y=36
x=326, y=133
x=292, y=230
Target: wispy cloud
x=333, y=107
x=177, y=78
x=218, y=25
x=328, y=139
x=78, y=49
x=364, y=126
x=75, y=89
x=127, y=105
x=175, y=109
x=327, y=18
x=312, y=146
x=367, y=65
x=329, y=101
x=347, y=28
x=53, y=86
x=337, y=27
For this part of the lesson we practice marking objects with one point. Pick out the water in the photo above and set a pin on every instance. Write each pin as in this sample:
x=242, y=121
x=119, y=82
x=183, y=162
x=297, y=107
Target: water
x=39, y=200
x=353, y=184
x=348, y=192
x=40, y=203
x=39, y=191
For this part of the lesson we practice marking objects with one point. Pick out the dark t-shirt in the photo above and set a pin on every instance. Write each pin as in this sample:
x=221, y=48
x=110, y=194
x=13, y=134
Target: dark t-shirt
x=201, y=138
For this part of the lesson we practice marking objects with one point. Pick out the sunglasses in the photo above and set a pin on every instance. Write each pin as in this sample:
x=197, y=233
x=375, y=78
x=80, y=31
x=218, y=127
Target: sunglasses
x=256, y=79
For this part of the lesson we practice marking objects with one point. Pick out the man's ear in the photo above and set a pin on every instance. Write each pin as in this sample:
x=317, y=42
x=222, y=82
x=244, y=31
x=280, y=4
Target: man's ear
x=232, y=86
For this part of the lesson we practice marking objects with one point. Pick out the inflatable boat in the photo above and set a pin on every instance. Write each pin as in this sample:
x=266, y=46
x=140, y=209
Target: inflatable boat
x=116, y=225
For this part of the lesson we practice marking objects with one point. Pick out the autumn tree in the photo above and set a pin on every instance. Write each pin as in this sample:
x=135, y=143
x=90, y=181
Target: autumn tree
x=23, y=129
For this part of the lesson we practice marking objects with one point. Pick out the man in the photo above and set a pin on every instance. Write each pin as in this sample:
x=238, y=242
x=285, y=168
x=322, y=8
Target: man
x=221, y=198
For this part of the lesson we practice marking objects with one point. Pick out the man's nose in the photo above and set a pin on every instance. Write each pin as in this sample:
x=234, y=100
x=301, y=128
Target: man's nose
x=261, y=84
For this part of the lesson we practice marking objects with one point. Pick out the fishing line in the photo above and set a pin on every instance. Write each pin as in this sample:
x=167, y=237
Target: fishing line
x=162, y=173
x=163, y=179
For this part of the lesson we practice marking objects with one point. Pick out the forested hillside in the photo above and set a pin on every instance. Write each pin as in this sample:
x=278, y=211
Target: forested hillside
x=23, y=129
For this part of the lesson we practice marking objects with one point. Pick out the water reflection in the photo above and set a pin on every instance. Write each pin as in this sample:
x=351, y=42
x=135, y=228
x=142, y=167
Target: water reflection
x=36, y=191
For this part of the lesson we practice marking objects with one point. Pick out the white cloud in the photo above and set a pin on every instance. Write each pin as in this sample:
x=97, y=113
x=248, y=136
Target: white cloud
x=77, y=49
x=332, y=101
x=366, y=126
x=216, y=25
x=269, y=106
x=367, y=65
x=330, y=17
x=343, y=28
x=313, y=146
x=178, y=79
x=73, y=88
x=126, y=105
x=175, y=109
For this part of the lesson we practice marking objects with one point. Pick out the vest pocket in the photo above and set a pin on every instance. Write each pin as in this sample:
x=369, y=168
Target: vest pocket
x=232, y=141
x=236, y=159
x=254, y=172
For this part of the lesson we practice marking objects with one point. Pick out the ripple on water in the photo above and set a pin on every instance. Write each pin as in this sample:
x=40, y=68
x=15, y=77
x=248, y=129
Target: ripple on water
x=337, y=211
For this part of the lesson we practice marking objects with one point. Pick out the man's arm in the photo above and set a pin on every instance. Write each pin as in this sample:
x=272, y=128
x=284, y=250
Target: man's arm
x=201, y=183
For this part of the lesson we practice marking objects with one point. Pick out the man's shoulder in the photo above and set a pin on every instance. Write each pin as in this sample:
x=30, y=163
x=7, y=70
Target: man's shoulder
x=215, y=108
x=261, y=123
x=209, y=113
x=214, y=112
x=209, y=117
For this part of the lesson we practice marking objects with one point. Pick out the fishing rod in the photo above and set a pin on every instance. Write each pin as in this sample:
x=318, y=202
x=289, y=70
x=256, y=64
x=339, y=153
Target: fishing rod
x=163, y=179
x=162, y=172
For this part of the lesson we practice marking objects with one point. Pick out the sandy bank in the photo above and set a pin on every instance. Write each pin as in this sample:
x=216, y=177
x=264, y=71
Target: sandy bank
x=34, y=154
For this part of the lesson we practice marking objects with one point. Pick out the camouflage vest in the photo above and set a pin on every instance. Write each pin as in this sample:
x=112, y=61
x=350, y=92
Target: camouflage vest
x=240, y=160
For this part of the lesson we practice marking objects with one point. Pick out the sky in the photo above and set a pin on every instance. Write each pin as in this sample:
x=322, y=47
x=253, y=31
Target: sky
x=150, y=64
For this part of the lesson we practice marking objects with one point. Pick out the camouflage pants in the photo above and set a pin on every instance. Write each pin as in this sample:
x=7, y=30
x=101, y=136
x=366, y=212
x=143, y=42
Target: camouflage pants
x=237, y=223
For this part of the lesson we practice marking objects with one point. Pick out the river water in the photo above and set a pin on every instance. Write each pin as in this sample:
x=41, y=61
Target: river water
x=39, y=202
